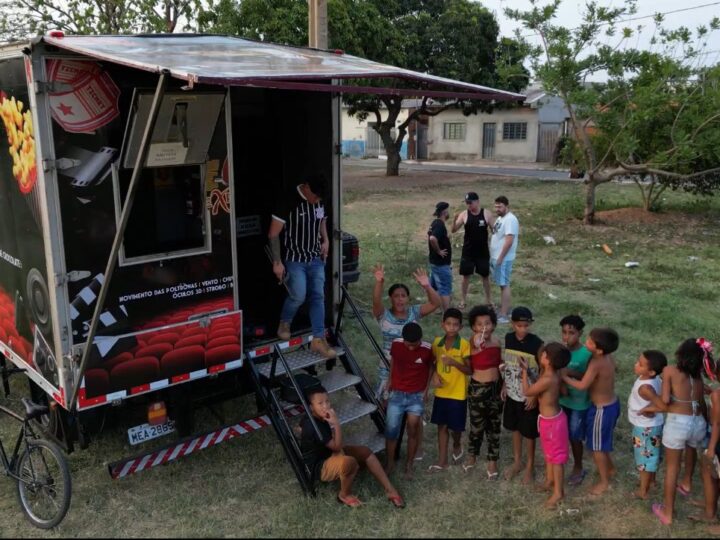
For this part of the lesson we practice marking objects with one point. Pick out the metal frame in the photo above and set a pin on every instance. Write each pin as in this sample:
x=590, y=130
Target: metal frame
x=231, y=187
x=51, y=220
x=112, y=259
x=336, y=181
x=206, y=248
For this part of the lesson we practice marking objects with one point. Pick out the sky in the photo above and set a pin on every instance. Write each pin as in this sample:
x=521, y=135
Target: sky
x=568, y=15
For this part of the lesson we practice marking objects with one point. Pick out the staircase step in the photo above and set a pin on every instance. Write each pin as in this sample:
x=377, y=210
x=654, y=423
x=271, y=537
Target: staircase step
x=298, y=359
x=350, y=407
x=372, y=439
x=337, y=379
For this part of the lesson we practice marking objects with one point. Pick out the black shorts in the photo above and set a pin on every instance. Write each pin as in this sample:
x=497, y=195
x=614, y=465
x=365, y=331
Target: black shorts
x=470, y=265
x=516, y=418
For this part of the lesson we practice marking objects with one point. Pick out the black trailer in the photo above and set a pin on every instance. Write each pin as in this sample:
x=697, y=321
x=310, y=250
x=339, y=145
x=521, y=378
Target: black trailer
x=137, y=180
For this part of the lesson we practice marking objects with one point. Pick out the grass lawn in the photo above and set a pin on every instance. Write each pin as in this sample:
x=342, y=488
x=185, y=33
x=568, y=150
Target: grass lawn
x=246, y=488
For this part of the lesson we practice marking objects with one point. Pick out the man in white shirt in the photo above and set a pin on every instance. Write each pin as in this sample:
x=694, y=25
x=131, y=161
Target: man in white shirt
x=503, y=246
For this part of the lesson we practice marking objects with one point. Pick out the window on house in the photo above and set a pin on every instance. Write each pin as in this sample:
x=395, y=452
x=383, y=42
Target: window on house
x=514, y=131
x=454, y=131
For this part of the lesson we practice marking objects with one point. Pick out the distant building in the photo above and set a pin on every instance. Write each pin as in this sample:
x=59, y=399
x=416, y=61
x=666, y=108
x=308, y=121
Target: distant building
x=527, y=133
x=359, y=139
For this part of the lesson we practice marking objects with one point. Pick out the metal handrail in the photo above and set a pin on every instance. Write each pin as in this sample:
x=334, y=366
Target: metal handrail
x=347, y=298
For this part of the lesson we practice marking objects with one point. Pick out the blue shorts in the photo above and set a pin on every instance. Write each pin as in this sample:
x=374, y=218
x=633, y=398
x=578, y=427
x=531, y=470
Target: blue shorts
x=600, y=424
x=441, y=279
x=576, y=423
x=383, y=376
x=646, y=447
x=449, y=412
x=501, y=274
x=400, y=403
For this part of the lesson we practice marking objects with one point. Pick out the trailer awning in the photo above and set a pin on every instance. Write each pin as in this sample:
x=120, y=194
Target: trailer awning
x=233, y=61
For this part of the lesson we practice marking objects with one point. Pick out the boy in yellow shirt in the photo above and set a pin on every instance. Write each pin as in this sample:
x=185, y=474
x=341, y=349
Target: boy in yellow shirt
x=452, y=368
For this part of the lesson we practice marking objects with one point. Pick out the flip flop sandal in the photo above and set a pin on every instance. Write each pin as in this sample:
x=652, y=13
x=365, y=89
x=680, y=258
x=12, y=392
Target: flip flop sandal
x=492, y=476
x=461, y=306
x=352, y=501
x=657, y=509
x=682, y=491
x=436, y=468
x=700, y=518
x=459, y=456
x=397, y=501
x=576, y=479
x=467, y=467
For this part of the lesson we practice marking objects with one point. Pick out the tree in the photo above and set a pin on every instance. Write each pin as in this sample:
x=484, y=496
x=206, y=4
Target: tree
x=656, y=118
x=20, y=19
x=451, y=38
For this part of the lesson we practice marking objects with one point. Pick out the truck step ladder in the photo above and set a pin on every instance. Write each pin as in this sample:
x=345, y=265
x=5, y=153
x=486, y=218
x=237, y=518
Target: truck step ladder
x=352, y=397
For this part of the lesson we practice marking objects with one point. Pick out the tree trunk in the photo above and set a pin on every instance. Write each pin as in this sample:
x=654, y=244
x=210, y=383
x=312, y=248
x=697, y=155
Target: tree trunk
x=393, y=161
x=589, y=215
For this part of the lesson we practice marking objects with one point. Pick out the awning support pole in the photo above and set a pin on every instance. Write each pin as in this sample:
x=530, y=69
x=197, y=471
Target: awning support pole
x=120, y=233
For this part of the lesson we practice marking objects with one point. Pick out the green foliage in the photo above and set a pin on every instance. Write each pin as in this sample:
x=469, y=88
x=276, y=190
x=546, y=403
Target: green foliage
x=21, y=19
x=656, y=118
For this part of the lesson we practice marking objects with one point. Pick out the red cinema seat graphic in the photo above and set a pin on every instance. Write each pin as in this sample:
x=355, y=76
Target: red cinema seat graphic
x=223, y=340
x=157, y=350
x=197, y=339
x=193, y=331
x=19, y=345
x=181, y=361
x=222, y=332
x=3, y=335
x=165, y=337
x=9, y=327
x=222, y=354
x=97, y=382
x=115, y=360
x=134, y=373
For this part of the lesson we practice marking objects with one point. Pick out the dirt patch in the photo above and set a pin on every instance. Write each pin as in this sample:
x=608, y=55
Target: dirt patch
x=636, y=215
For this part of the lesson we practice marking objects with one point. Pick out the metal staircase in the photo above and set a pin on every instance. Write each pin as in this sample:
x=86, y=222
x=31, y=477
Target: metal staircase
x=352, y=397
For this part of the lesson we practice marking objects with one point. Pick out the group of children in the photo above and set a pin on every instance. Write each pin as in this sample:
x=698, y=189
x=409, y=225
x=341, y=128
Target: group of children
x=562, y=393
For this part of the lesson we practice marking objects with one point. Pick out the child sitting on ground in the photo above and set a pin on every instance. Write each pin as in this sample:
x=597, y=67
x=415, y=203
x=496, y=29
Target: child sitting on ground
x=552, y=421
x=410, y=369
x=576, y=402
x=484, y=400
x=647, y=426
x=449, y=412
x=520, y=412
x=604, y=412
x=329, y=459
x=685, y=425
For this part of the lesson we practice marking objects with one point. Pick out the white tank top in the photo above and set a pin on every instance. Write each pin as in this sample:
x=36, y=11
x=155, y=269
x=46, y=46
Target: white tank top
x=637, y=403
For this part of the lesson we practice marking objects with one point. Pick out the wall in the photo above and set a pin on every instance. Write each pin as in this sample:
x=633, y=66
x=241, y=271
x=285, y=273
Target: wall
x=471, y=147
x=353, y=133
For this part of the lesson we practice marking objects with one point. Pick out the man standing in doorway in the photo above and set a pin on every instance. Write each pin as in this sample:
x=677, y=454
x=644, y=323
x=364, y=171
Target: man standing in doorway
x=440, y=254
x=301, y=218
x=503, y=246
x=475, y=251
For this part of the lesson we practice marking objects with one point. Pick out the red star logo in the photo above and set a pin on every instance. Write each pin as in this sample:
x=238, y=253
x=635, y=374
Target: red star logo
x=66, y=109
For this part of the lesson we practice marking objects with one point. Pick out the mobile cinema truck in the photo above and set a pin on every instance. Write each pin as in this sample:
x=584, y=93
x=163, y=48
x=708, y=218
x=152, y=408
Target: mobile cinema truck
x=137, y=179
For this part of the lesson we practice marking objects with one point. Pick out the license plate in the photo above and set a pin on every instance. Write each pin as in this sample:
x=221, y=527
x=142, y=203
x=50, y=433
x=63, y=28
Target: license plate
x=146, y=432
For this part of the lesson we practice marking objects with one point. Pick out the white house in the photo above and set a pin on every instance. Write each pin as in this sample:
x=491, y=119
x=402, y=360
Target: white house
x=526, y=133
x=359, y=139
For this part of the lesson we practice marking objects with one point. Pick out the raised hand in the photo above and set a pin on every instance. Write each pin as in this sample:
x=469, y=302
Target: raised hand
x=421, y=277
x=379, y=272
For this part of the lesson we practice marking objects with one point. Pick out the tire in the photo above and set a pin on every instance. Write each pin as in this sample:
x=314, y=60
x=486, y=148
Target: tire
x=44, y=487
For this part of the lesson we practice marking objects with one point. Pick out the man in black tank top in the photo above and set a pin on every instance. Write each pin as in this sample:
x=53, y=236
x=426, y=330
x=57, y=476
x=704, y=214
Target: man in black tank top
x=475, y=251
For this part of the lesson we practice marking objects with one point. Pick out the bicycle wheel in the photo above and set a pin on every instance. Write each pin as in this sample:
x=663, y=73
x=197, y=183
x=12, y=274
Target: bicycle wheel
x=44, y=486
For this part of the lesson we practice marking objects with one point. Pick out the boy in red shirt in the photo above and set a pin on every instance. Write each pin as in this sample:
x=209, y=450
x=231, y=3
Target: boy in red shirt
x=411, y=361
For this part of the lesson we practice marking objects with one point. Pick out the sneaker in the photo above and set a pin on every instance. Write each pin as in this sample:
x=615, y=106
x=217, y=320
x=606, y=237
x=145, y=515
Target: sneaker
x=284, y=331
x=320, y=346
x=503, y=320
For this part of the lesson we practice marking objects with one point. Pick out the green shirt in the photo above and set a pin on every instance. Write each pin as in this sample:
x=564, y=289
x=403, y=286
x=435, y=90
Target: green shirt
x=577, y=399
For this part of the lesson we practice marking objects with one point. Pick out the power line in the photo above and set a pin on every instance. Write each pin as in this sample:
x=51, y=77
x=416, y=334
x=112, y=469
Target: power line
x=691, y=8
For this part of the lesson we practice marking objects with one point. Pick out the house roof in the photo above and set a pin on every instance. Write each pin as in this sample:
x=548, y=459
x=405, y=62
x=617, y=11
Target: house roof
x=225, y=60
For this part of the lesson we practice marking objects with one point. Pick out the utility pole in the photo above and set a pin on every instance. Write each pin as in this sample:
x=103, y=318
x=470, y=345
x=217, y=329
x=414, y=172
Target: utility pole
x=317, y=24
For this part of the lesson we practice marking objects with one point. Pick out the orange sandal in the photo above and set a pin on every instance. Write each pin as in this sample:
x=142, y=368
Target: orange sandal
x=351, y=500
x=397, y=501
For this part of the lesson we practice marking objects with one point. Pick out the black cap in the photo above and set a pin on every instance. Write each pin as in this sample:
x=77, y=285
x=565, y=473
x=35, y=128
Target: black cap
x=471, y=196
x=412, y=332
x=521, y=313
x=440, y=207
